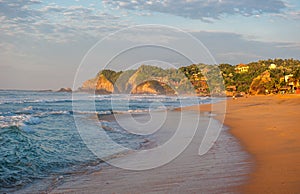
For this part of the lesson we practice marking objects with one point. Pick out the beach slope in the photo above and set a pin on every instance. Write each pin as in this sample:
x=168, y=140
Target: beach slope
x=269, y=129
x=223, y=169
x=266, y=127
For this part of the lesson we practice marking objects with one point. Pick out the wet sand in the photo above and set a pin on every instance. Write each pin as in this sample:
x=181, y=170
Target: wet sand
x=269, y=129
x=267, y=162
x=221, y=170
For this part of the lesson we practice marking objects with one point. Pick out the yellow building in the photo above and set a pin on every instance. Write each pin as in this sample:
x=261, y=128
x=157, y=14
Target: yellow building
x=272, y=66
x=241, y=68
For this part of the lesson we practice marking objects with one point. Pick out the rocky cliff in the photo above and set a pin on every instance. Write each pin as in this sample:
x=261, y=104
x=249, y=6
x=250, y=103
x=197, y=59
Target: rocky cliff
x=153, y=87
x=258, y=85
x=89, y=85
x=104, y=85
x=64, y=90
x=144, y=80
x=100, y=85
x=202, y=79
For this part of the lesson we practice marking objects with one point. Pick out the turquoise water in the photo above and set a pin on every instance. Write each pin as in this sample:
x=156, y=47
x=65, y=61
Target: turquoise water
x=39, y=138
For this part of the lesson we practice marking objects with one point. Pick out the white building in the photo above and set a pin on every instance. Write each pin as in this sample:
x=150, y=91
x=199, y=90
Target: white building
x=272, y=66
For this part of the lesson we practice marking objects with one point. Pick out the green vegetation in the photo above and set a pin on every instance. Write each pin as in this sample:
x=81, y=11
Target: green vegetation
x=281, y=68
x=111, y=75
x=271, y=76
x=123, y=78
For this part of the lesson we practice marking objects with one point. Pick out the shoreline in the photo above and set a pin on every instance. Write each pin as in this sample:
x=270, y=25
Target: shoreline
x=266, y=127
x=259, y=121
x=187, y=173
x=263, y=128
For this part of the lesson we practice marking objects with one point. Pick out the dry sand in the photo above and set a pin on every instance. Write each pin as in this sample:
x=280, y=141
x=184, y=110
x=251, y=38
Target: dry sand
x=269, y=129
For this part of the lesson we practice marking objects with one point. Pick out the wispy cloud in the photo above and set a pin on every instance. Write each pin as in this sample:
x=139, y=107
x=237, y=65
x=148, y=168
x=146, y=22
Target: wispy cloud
x=52, y=22
x=237, y=48
x=291, y=14
x=19, y=9
x=288, y=45
x=201, y=9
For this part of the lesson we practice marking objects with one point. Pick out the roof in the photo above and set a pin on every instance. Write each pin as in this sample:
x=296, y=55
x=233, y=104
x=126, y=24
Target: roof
x=285, y=88
x=242, y=65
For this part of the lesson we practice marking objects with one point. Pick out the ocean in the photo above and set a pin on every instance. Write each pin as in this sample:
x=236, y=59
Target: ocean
x=39, y=139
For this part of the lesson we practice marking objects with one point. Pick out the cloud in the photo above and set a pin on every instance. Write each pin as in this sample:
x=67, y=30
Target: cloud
x=51, y=22
x=18, y=8
x=288, y=45
x=6, y=48
x=235, y=48
x=295, y=14
x=201, y=9
x=291, y=14
x=52, y=8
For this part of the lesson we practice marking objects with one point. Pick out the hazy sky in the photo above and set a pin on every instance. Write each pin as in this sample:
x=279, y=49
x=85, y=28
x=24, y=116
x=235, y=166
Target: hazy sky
x=43, y=42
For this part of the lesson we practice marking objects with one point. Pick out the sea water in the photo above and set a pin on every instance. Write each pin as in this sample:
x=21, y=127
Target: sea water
x=39, y=138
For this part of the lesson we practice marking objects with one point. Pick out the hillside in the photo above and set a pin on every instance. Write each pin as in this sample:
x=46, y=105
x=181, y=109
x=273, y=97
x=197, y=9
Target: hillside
x=261, y=77
x=264, y=76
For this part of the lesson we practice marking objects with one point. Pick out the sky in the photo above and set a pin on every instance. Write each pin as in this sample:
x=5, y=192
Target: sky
x=42, y=42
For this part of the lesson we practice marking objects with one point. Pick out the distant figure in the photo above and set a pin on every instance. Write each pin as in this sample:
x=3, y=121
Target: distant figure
x=266, y=92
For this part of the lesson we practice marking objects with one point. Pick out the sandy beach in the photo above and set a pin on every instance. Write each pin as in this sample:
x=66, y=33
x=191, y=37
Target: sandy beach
x=261, y=156
x=221, y=170
x=268, y=128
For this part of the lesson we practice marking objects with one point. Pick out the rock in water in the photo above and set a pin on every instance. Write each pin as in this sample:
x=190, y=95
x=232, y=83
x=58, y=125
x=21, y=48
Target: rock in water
x=65, y=90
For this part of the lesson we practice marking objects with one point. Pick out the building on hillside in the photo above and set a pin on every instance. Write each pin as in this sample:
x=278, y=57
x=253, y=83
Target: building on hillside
x=287, y=77
x=230, y=90
x=295, y=85
x=241, y=68
x=272, y=66
x=284, y=90
x=292, y=85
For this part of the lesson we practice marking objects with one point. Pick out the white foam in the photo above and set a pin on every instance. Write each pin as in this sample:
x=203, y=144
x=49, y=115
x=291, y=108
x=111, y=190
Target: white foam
x=18, y=121
x=32, y=121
